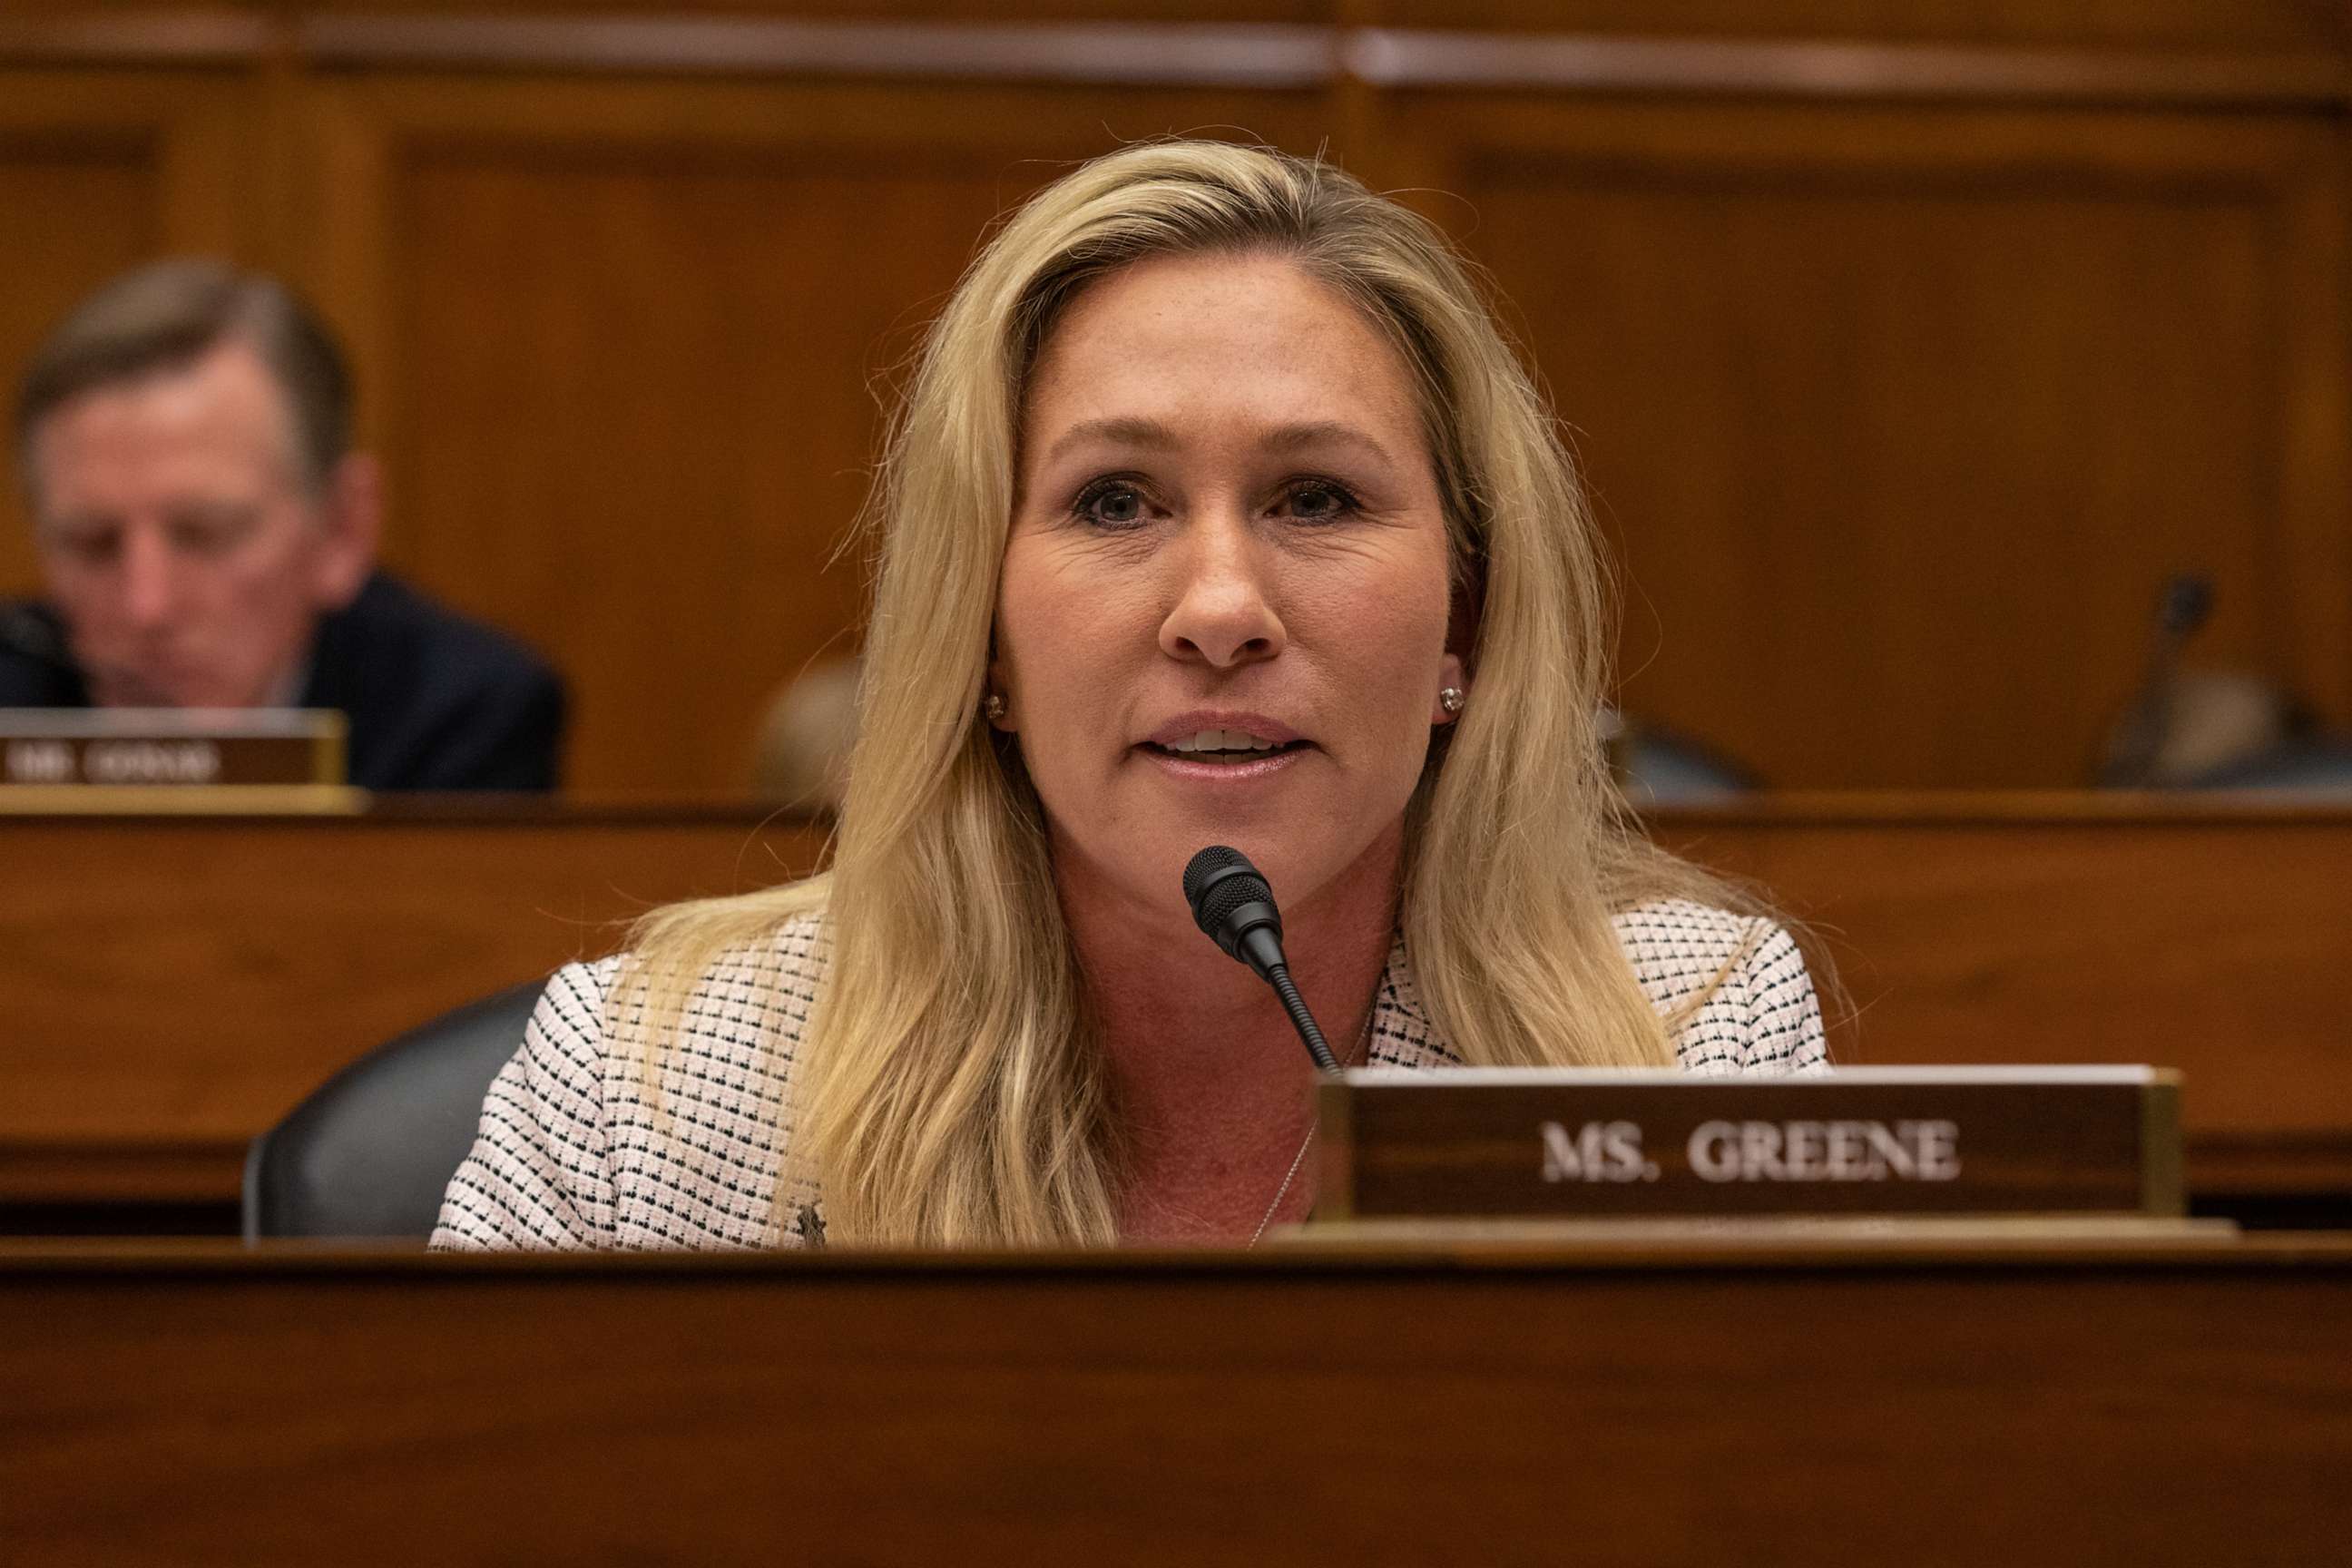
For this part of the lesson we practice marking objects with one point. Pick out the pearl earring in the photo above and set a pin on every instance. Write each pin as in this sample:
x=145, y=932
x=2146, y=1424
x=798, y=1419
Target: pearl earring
x=1452, y=698
x=993, y=707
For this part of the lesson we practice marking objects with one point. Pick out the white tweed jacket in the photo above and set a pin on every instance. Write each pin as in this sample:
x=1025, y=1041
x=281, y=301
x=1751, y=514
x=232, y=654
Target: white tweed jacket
x=572, y=1153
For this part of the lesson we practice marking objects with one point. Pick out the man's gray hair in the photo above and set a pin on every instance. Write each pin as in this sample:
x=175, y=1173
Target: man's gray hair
x=167, y=315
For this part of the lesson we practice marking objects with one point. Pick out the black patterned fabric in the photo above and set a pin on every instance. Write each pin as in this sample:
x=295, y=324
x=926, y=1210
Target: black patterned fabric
x=574, y=1151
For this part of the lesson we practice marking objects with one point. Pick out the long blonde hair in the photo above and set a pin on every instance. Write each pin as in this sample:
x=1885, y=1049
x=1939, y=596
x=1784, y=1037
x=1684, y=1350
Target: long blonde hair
x=947, y=1089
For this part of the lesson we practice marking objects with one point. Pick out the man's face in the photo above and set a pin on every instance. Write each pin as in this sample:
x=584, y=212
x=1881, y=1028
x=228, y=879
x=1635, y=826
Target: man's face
x=183, y=550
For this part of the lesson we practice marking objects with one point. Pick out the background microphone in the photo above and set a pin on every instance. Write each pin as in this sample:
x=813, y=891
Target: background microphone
x=2135, y=744
x=1235, y=906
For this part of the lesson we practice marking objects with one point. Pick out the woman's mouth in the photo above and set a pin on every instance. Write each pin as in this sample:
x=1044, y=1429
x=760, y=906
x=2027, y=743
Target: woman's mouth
x=1221, y=747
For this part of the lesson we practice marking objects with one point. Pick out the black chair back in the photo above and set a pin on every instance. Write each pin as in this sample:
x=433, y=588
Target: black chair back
x=368, y=1155
x=2313, y=769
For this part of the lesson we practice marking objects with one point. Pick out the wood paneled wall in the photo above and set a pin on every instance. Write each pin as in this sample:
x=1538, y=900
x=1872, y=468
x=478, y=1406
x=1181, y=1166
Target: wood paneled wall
x=1907, y=346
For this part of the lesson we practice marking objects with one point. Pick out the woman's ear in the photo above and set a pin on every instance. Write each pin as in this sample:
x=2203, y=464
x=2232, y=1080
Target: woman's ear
x=995, y=706
x=1452, y=690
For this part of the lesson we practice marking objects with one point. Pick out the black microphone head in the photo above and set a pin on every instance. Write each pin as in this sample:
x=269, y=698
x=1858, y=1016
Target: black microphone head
x=1234, y=905
x=1205, y=864
x=1217, y=909
x=1221, y=886
x=2187, y=601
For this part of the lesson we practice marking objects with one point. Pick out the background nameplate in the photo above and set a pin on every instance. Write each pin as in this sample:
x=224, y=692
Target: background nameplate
x=69, y=759
x=1507, y=1143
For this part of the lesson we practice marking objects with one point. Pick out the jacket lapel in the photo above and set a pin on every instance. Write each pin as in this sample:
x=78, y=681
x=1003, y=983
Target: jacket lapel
x=1403, y=1035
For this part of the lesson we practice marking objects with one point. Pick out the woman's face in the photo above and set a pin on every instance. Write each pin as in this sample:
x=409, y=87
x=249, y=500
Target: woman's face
x=1224, y=611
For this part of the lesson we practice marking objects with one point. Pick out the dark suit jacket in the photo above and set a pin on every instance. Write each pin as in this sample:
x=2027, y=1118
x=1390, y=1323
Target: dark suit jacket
x=435, y=701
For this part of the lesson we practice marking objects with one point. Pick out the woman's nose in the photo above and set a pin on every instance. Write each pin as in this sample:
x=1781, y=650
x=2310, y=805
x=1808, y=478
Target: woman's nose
x=1224, y=614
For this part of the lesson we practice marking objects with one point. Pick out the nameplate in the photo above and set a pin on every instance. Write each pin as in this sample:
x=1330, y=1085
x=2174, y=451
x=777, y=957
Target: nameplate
x=126, y=758
x=1524, y=1144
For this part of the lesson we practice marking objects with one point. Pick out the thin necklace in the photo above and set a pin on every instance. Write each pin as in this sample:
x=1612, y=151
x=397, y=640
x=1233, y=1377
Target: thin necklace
x=1362, y=1041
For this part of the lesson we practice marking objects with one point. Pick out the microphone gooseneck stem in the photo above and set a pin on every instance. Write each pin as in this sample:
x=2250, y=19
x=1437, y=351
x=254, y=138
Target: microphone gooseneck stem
x=1301, y=1019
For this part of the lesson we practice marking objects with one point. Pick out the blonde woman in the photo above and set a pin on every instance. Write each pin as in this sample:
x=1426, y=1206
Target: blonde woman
x=1218, y=512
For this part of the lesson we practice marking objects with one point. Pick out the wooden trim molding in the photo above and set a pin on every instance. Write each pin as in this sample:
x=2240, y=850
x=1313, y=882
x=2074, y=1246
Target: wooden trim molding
x=2125, y=809
x=189, y=1171
x=1161, y=54
x=1842, y=70
x=137, y=38
x=1259, y=55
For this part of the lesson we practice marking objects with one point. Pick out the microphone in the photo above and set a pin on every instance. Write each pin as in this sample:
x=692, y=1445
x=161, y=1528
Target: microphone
x=2137, y=739
x=1234, y=905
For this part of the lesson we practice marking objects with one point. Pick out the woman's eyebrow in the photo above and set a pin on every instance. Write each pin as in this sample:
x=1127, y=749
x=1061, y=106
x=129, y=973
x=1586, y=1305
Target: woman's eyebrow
x=1324, y=433
x=1127, y=430
x=1133, y=430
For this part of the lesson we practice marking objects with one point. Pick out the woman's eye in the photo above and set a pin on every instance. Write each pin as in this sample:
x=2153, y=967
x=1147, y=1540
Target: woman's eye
x=1320, y=502
x=1111, y=505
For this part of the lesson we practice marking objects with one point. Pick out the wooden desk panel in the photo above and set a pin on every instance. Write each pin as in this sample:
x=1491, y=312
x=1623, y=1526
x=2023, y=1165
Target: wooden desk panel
x=1656, y=1406
x=173, y=986
x=2212, y=936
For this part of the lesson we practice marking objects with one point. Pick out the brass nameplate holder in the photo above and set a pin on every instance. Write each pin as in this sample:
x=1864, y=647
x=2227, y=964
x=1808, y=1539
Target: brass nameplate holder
x=1513, y=1144
x=172, y=760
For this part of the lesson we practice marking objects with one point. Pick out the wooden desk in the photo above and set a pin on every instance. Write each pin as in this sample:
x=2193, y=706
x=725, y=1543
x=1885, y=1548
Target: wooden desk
x=1642, y=1403
x=175, y=984
x=172, y=987
x=2204, y=934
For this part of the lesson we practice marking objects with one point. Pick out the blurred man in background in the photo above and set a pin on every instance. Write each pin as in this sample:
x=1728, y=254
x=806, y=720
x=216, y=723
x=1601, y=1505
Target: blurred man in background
x=208, y=540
